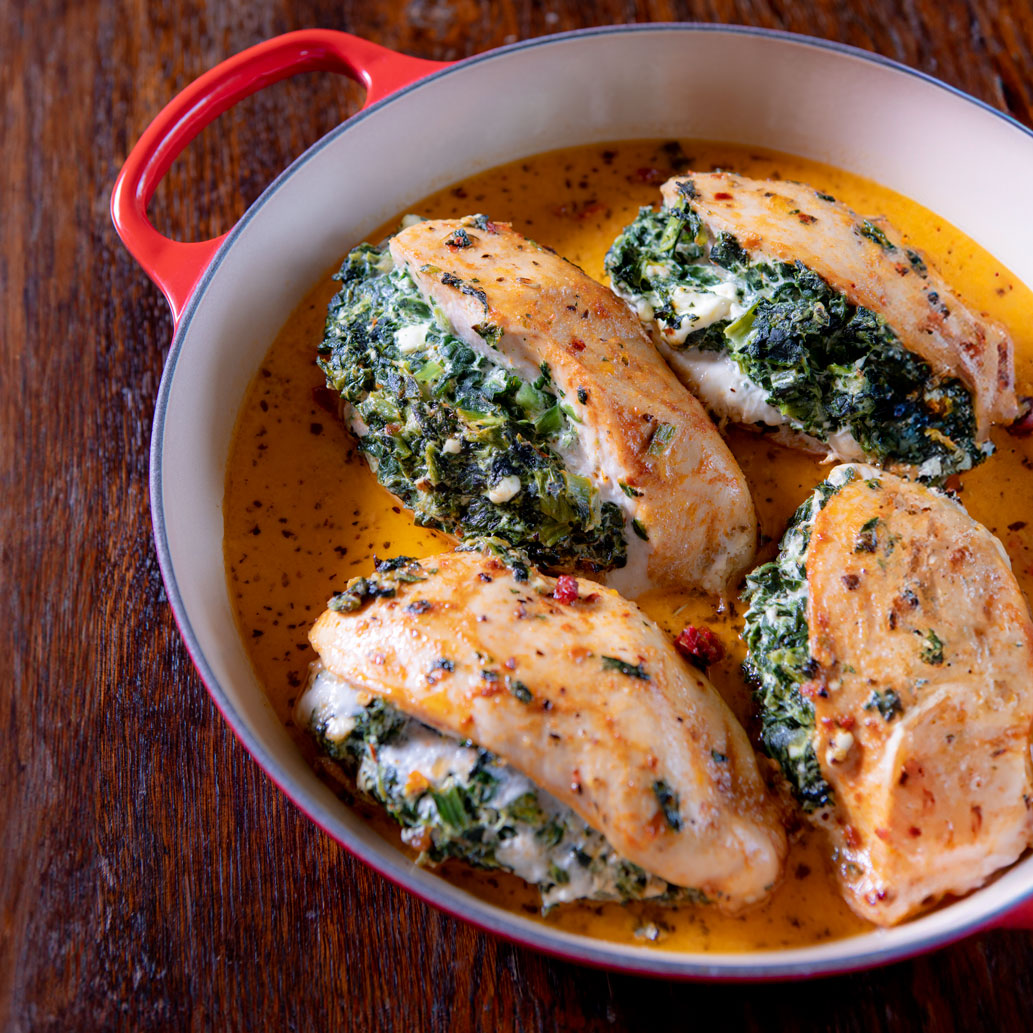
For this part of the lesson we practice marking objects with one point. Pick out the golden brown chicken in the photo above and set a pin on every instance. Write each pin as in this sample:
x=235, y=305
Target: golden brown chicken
x=498, y=390
x=576, y=705
x=893, y=651
x=783, y=308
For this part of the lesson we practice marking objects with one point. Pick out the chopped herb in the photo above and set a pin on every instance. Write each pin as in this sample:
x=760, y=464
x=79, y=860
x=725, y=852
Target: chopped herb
x=932, y=651
x=916, y=262
x=639, y=529
x=719, y=758
x=686, y=188
x=459, y=239
x=612, y=663
x=887, y=703
x=451, y=280
x=359, y=591
x=874, y=234
x=867, y=539
x=661, y=439
x=404, y=568
x=520, y=690
x=668, y=800
x=632, y=493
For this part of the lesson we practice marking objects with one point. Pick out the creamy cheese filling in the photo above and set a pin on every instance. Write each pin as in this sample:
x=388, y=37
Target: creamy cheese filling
x=829, y=375
x=504, y=820
x=478, y=445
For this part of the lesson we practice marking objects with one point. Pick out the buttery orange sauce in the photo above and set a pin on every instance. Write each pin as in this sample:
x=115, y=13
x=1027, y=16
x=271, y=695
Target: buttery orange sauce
x=303, y=513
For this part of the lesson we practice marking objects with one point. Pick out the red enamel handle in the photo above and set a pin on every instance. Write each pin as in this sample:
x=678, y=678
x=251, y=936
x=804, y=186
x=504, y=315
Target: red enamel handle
x=177, y=267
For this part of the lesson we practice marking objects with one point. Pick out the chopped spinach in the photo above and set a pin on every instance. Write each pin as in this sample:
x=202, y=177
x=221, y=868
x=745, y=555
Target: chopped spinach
x=778, y=659
x=455, y=800
x=825, y=364
x=383, y=584
x=466, y=444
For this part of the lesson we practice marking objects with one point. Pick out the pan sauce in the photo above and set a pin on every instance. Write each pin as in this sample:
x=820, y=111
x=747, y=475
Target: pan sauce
x=303, y=513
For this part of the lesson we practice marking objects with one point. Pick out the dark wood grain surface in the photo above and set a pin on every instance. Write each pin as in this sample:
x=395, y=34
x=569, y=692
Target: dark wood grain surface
x=151, y=877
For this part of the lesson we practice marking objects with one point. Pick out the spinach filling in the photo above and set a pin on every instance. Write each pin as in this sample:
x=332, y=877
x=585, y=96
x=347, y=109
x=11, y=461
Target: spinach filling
x=455, y=800
x=827, y=365
x=778, y=659
x=466, y=444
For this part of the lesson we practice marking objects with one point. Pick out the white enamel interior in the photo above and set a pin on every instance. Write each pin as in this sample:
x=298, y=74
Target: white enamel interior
x=928, y=142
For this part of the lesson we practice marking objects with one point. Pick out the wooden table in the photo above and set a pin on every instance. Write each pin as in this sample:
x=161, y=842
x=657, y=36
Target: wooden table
x=152, y=877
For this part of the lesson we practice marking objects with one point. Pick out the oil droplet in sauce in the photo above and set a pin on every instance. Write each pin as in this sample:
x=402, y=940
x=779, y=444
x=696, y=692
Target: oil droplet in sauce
x=303, y=513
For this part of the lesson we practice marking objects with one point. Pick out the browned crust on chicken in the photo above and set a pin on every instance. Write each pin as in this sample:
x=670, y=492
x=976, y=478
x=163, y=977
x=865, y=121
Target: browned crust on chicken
x=692, y=499
x=599, y=739
x=792, y=221
x=908, y=595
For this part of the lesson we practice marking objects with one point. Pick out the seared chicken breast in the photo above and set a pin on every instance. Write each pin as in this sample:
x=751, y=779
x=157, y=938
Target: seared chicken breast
x=633, y=777
x=498, y=390
x=783, y=308
x=893, y=653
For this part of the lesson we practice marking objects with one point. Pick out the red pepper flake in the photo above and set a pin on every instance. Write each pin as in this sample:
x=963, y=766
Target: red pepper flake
x=566, y=590
x=850, y=834
x=721, y=195
x=806, y=219
x=846, y=721
x=811, y=689
x=700, y=646
x=576, y=344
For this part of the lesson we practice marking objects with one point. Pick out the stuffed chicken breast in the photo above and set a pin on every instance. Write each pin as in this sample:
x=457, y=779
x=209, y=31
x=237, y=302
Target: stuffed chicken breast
x=545, y=727
x=893, y=655
x=497, y=390
x=782, y=308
